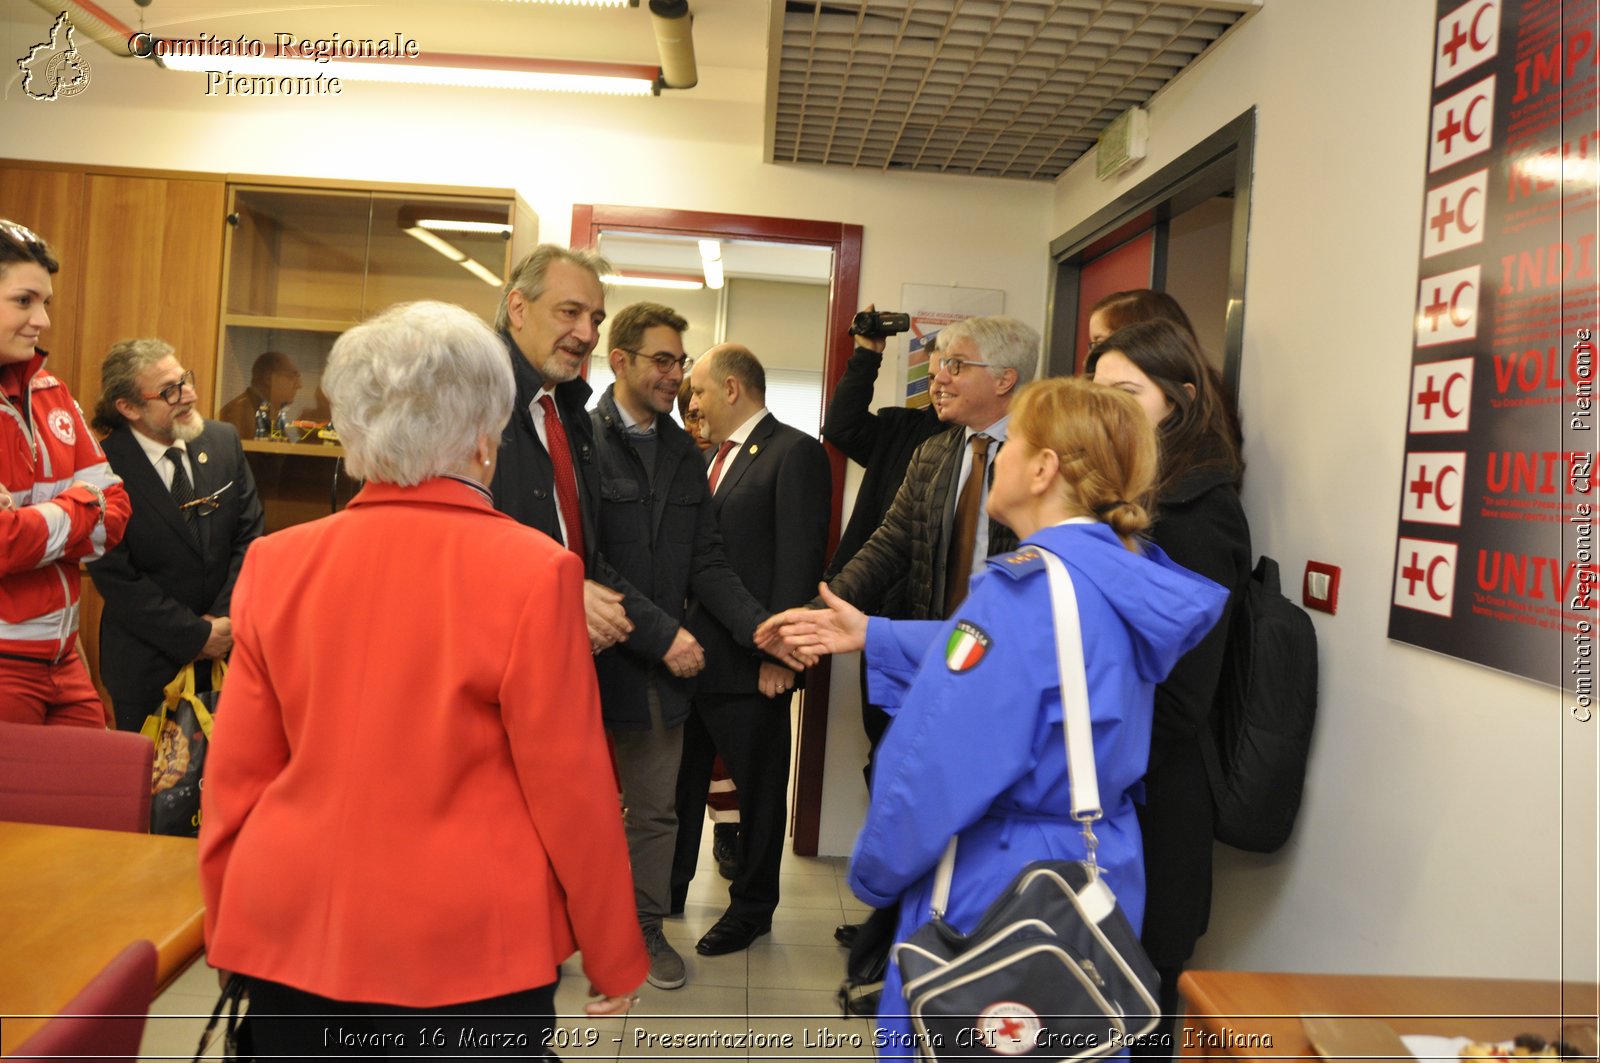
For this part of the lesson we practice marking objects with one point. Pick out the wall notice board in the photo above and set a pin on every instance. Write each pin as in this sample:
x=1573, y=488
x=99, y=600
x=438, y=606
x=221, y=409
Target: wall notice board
x=1495, y=547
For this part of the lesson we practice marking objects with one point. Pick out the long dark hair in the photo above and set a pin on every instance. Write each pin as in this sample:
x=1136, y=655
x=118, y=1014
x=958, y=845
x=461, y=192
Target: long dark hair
x=1199, y=432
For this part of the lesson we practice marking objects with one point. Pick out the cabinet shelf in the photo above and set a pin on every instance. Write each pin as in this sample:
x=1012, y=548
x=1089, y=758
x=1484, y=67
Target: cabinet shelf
x=296, y=324
x=299, y=450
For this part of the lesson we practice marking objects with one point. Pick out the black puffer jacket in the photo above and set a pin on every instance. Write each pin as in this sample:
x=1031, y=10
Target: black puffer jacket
x=882, y=443
x=911, y=543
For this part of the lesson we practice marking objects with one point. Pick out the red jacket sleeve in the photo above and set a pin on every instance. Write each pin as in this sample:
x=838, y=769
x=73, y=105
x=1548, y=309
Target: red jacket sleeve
x=550, y=702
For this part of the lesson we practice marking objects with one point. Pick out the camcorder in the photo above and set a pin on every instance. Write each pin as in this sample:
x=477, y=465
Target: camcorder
x=876, y=324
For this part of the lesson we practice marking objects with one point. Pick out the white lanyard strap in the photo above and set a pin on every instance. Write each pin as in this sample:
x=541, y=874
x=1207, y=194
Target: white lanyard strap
x=1082, y=780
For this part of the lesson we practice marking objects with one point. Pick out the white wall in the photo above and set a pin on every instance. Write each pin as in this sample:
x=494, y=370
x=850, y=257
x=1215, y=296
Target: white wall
x=1438, y=822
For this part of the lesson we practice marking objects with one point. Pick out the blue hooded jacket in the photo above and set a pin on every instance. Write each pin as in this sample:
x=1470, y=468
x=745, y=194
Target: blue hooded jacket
x=976, y=745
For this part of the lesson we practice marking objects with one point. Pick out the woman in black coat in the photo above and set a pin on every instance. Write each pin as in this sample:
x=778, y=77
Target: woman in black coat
x=1201, y=525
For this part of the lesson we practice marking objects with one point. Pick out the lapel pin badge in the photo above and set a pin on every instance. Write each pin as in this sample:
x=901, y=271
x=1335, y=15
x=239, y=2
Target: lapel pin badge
x=202, y=457
x=755, y=448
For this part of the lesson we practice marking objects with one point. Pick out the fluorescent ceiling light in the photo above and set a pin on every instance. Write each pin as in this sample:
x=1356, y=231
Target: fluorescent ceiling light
x=454, y=254
x=449, y=225
x=475, y=268
x=583, y=3
x=482, y=72
x=445, y=248
x=711, y=261
x=653, y=282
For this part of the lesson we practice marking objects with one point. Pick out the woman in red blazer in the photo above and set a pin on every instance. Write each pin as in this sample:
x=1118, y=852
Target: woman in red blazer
x=408, y=805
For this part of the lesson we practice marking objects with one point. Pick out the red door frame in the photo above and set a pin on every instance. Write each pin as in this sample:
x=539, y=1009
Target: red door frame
x=588, y=221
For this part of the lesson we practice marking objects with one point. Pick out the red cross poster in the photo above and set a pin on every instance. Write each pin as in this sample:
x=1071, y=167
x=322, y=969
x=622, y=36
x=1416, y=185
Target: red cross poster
x=1495, y=548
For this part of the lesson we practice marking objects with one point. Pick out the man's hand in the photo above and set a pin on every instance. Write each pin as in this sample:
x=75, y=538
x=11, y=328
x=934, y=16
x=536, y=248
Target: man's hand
x=608, y=622
x=871, y=343
x=684, y=657
x=840, y=628
x=774, y=679
x=6, y=501
x=220, y=642
x=795, y=653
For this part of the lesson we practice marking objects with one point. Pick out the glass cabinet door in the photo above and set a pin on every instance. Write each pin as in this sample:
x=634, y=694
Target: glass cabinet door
x=302, y=266
x=432, y=247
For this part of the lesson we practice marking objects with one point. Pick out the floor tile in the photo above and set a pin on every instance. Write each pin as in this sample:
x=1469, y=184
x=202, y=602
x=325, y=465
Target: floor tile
x=810, y=865
x=804, y=926
x=808, y=891
x=686, y=929
x=729, y=970
x=814, y=967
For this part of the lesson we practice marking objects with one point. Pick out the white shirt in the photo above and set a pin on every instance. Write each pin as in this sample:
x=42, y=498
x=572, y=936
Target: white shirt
x=157, y=453
x=997, y=433
x=737, y=438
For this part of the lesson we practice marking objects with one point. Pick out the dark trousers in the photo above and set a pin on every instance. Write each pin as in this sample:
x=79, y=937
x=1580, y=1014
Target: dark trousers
x=752, y=734
x=284, y=1021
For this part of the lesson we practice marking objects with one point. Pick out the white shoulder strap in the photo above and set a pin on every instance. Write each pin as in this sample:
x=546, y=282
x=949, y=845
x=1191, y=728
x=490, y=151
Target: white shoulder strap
x=1081, y=776
x=1075, y=727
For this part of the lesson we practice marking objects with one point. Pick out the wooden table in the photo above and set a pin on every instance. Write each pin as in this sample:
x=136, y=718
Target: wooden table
x=1254, y=1015
x=71, y=899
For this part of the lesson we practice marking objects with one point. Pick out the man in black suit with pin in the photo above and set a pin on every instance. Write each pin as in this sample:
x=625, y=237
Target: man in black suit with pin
x=771, y=489
x=169, y=583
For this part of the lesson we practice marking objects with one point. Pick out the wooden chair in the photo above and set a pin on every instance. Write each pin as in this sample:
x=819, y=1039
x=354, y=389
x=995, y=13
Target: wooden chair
x=106, y=1020
x=75, y=777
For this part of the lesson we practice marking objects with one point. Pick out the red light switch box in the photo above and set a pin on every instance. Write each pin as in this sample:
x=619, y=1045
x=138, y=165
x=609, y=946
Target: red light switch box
x=1321, y=587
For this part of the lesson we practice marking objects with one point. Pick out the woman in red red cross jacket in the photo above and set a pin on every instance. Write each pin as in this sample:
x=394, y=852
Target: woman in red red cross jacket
x=60, y=504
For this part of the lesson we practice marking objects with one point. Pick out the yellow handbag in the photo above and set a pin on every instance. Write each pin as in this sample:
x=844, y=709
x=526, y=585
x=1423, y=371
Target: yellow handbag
x=181, y=731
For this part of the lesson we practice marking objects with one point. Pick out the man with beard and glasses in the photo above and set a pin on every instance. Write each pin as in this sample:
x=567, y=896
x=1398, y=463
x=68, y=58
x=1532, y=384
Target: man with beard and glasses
x=168, y=584
x=547, y=475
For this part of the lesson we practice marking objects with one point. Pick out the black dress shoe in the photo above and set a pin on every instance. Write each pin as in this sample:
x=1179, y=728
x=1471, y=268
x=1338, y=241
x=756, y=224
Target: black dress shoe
x=845, y=933
x=732, y=934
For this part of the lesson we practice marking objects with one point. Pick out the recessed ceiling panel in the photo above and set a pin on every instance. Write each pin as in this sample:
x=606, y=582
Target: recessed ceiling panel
x=1009, y=88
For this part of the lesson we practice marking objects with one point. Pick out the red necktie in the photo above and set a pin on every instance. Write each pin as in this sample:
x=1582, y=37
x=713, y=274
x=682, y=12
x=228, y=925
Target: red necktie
x=566, y=482
x=716, y=466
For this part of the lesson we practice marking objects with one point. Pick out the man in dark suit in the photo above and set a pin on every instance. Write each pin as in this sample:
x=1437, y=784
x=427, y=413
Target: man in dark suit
x=547, y=476
x=771, y=488
x=168, y=584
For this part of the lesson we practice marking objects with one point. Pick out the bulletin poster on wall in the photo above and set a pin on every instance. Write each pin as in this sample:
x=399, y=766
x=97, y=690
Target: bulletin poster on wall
x=1495, y=558
x=933, y=307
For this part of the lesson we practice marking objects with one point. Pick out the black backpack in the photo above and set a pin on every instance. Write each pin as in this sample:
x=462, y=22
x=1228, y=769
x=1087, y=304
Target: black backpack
x=1266, y=703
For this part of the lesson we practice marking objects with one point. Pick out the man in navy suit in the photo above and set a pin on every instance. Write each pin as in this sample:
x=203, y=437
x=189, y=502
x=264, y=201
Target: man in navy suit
x=168, y=584
x=771, y=489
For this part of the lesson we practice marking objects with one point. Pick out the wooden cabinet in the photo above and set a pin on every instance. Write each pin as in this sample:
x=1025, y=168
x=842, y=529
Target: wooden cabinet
x=226, y=268
x=305, y=264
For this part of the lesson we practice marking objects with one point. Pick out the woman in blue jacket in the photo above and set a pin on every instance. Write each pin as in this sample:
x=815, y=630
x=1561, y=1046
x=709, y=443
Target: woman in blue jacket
x=976, y=745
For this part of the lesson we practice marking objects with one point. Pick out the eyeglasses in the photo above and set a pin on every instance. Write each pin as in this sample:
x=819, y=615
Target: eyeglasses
x=209, y=504
x=954, y=366
x=172, y=394
x=665, y=363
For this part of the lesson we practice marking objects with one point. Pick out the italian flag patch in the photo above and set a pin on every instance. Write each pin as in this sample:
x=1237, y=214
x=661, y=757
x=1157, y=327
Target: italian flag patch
x=966, y=647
